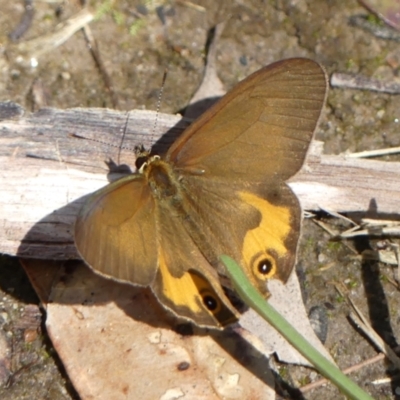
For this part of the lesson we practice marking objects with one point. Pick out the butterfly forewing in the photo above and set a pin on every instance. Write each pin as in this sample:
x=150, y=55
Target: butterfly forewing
x=259, y=130
x=115, y=232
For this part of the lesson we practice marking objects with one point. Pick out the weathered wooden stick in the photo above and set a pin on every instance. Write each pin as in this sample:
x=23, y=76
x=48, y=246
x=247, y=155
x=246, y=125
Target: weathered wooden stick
x=46, y=173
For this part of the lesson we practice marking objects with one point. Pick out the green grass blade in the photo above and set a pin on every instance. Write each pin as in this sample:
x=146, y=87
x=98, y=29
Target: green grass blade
x=256, y=301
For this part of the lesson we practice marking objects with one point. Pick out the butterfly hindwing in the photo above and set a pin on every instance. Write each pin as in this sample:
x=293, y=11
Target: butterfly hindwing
x=257, y=226
x=186, y=282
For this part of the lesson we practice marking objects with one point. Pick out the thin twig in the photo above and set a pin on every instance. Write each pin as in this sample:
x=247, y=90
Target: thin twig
x=350, y=81
x=94, y=49
x=379, y=31
x=333, y=234
x=374, y=153
x=386, y=231
x=25, y=22
x=30, y=51
x=347, y=371
x=191, y=5
x=358, y=318
x=338, y=216
x=363, y=324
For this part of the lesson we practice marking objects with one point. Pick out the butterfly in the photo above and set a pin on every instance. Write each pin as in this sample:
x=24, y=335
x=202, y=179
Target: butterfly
x=219, y=189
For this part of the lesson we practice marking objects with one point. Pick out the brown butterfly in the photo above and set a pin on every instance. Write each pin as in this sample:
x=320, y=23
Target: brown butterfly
x=219, y=189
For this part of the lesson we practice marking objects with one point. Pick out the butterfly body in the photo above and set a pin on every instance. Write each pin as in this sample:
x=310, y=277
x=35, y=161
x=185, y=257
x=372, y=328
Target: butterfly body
x=218, y=190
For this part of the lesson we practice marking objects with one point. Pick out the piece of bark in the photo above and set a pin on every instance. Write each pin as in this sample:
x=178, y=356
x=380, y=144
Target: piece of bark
x=46, y=173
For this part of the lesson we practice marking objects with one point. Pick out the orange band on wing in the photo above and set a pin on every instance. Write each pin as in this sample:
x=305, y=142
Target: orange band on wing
x=267, y=240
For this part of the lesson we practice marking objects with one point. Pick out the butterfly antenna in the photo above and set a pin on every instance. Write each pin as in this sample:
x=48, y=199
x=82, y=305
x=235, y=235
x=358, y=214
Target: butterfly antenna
x=77, y=136
x=159, y=102
x=120, y=147
x=138, y=150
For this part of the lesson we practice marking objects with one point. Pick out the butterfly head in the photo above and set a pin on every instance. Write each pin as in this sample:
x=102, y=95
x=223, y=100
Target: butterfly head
x=143, y=158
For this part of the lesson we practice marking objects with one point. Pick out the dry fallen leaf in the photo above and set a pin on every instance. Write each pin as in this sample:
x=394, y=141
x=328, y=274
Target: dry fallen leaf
x=287, y=300
x=116, y=342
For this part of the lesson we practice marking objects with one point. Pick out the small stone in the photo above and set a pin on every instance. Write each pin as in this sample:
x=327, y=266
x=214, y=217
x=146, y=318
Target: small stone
x=30, y=335
x=319, y=322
